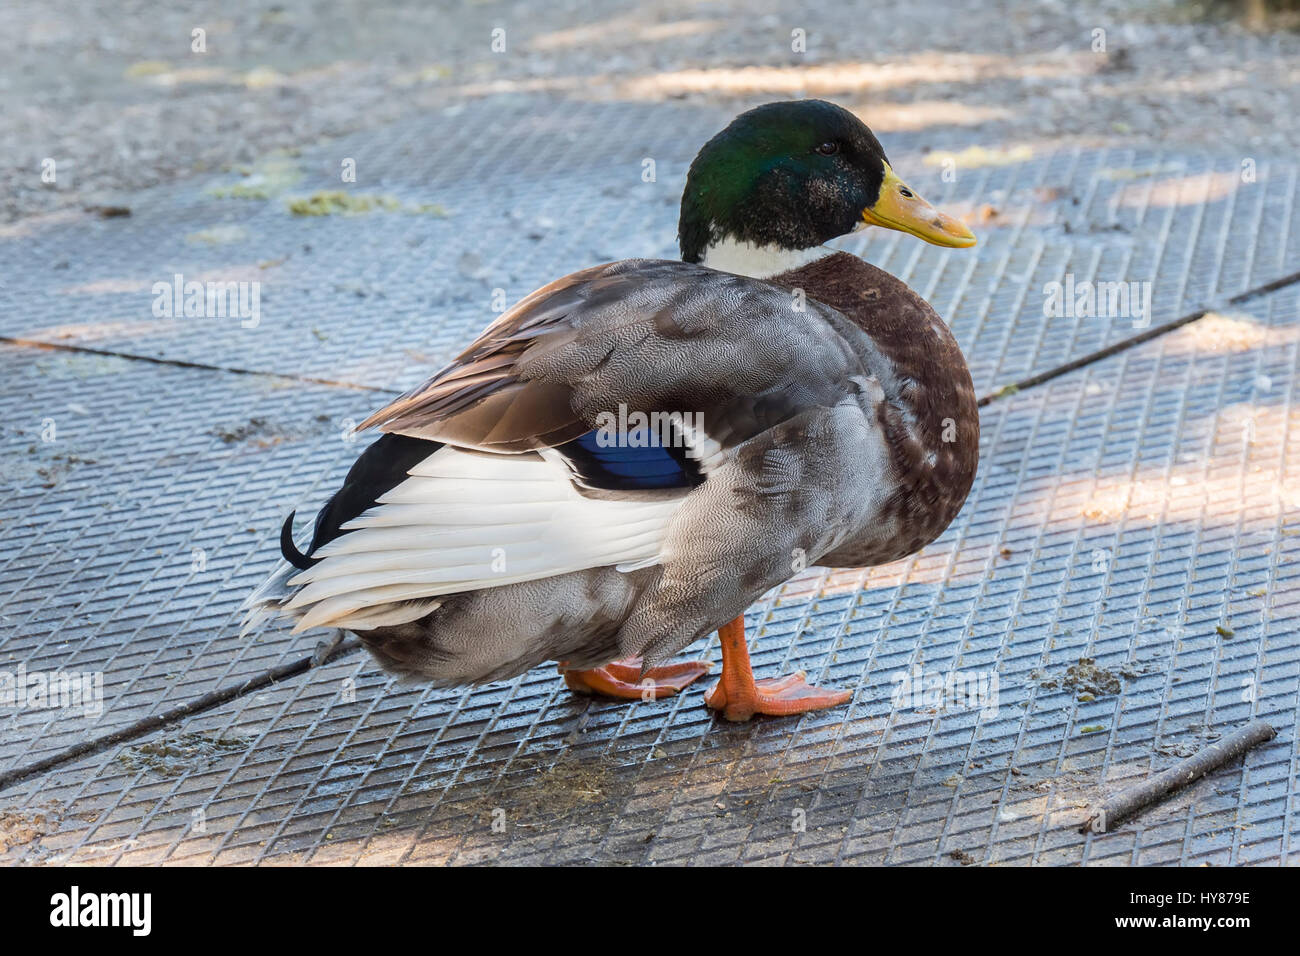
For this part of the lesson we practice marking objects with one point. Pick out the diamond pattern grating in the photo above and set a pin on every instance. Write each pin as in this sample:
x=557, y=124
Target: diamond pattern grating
x=1139, y=512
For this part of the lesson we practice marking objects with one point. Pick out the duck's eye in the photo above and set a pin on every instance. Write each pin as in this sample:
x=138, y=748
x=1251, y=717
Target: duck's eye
x=828, y=148
x=905, y=193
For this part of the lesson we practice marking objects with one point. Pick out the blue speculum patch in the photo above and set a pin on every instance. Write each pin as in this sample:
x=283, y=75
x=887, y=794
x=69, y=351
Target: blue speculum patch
x=635, y=460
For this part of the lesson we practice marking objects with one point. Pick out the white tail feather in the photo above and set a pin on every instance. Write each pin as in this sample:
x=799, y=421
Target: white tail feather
x=462, y=521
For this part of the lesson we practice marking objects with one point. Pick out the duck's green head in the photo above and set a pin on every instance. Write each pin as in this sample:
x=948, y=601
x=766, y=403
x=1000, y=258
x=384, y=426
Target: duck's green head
x=791, y=176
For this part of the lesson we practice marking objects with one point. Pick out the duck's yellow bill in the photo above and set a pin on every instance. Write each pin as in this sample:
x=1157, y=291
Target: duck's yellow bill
x=900, y=208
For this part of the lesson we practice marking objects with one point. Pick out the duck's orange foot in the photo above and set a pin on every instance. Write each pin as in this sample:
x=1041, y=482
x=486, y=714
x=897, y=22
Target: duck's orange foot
x=776, y=697
x=623, y=679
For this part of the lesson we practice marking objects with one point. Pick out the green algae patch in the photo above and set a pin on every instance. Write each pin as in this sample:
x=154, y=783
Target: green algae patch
x=429, y=209
x=146, y=68
x=218, y=235
x=265, y=179
x=339, y=202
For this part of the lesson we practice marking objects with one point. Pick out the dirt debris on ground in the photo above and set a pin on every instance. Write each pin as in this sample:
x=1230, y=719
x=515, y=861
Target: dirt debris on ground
x=24, y=827
x=263, y=432
x=1088, y=681
x=22, y=831
x=178, y=753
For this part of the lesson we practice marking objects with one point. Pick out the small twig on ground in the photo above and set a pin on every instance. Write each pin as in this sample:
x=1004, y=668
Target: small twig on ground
x=1127, y=802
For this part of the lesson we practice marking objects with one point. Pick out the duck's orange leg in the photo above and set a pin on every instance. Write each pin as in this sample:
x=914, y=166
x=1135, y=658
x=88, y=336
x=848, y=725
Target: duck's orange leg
x=624, y=679
x=740, y=697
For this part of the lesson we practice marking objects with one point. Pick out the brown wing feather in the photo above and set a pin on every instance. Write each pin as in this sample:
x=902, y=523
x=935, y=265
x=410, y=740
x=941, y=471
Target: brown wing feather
x=655, y=335
x=478, y=401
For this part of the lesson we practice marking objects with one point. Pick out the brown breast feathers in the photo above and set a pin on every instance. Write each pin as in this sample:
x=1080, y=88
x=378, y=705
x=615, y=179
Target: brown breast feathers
x=930, y=417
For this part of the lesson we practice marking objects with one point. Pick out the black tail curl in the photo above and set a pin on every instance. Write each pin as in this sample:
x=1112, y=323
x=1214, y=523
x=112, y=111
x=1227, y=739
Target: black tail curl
x=290, y=550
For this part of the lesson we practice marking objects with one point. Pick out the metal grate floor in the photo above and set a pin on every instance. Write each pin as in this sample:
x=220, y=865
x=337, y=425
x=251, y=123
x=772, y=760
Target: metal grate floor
x=1139, y=512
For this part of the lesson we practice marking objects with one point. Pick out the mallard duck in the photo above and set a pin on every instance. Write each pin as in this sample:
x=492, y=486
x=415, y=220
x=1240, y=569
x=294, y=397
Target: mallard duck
x=628, y=458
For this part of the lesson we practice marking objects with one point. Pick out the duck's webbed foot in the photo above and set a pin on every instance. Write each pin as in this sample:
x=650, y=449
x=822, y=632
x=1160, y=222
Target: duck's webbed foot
x=740, y=697
x=623, y=679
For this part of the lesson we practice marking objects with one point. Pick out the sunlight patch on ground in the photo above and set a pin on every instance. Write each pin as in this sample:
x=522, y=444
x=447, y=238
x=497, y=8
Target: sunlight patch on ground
x=1191, y=190
x=822, y=80
x=1237, y=332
